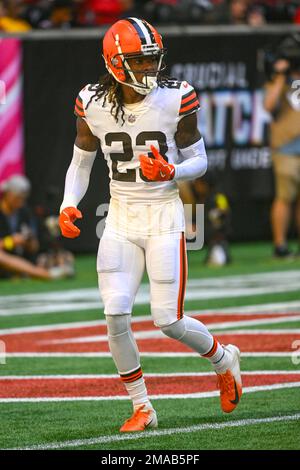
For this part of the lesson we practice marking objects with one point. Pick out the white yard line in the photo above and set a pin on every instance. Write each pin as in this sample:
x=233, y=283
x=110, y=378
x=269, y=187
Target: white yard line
x=259, y=321
x=197, y=289
x=267, y=308
x=146, y=334
x=283, y=331
x=282, y=307
x=162, y=432
x=116, y=376
x=62, y=326
x=142, y=354
x=158, y=334
x=216, y=393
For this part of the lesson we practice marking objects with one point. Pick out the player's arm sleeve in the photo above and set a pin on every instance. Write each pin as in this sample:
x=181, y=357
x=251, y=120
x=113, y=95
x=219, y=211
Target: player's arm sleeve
x=188, y=138
x=194, y=162
x=77, y=177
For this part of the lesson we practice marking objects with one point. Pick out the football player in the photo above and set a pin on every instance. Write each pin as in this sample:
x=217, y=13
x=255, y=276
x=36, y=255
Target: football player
x=147, y=128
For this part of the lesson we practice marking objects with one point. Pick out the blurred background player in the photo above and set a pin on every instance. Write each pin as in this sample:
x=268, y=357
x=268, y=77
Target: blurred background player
x=282, y=100
x=218, y=226
x=147, y=126
x=217, y=217
x=237, y=12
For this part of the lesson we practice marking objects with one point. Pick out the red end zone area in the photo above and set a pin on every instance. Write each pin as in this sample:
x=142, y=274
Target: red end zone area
x=81, y=339
x=150, y=338
x=104, y=387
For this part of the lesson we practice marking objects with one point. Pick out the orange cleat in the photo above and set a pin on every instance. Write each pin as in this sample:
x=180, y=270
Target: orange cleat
x=140, y=420
x=230, y=383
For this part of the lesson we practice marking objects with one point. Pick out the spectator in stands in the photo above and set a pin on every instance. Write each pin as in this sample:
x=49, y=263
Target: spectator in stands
x=296, y=18
x=62, y=14
x=51, y=14
x=19, y=243
x=282, y=100
x=279, y=11
x=256, y=16
x=103, y=12
x=37, y=13
x=10, y=17
x=236, y=12
x=177, y=11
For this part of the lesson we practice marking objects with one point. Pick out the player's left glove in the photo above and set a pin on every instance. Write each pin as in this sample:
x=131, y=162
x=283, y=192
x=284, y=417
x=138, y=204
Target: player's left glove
x=156, y=169
x=66, y=219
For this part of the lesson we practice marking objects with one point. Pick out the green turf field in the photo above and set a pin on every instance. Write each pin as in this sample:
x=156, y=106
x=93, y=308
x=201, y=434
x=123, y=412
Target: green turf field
x=54, y=422
x=263, y=319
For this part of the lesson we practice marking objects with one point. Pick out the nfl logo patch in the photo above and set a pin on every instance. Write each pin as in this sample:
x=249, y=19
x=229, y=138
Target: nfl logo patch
x=131, y=118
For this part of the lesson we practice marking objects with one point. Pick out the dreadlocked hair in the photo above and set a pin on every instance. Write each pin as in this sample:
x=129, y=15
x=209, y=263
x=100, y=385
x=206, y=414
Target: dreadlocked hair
x=111, y=90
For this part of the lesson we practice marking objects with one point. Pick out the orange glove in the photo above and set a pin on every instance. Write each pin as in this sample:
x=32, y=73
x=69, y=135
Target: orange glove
x=66, y=218
x=156, y=169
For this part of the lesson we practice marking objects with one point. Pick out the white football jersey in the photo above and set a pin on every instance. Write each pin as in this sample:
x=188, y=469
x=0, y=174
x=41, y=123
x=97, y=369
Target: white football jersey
x=152, y=121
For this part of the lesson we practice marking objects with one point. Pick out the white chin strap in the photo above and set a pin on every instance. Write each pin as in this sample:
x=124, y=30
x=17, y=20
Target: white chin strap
x=149, y=82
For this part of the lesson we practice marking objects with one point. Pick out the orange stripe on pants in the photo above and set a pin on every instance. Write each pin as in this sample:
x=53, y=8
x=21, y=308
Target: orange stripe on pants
x=183, y=277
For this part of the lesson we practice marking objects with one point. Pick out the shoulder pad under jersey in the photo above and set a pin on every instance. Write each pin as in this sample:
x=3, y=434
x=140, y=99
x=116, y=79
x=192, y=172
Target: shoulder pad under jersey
x=83, y=99
x=189, y=102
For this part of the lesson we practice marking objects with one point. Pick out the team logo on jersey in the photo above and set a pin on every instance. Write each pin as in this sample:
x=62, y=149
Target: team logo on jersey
x=131, y=118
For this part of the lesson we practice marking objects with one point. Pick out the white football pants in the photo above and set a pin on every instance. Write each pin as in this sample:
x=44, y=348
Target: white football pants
x=121, y=262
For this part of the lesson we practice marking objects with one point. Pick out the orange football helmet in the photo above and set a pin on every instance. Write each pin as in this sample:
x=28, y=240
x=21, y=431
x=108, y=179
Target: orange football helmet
x=131, y=38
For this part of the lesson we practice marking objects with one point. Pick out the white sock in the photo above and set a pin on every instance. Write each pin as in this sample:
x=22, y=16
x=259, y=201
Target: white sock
x=136, y=388
x=218, y=357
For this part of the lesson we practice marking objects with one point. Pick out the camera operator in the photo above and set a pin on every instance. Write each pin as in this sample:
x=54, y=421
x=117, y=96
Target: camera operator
x=283, y=101
x=19, y=243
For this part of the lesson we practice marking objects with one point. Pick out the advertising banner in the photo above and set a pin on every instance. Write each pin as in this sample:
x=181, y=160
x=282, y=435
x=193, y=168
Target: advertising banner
x=11, y=108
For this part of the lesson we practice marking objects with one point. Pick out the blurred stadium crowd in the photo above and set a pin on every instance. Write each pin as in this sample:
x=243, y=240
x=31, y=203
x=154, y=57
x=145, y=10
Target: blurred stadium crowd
x=25, y=15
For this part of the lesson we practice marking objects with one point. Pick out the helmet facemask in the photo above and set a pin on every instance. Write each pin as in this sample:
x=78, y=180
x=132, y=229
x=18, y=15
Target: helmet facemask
x=120, y=63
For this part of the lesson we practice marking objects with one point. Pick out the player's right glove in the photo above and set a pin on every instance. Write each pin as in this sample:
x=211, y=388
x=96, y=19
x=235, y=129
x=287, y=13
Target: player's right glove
x=66, y=218
x=156, y=169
